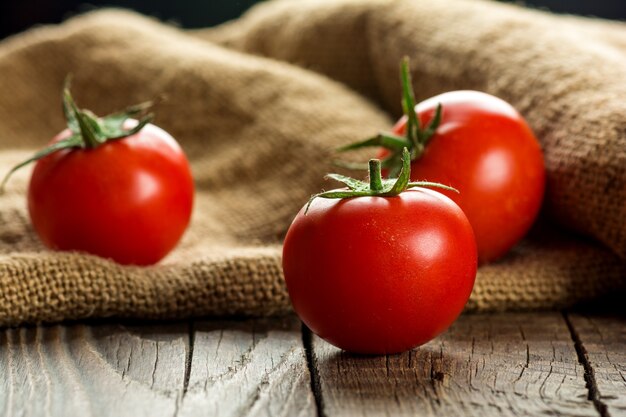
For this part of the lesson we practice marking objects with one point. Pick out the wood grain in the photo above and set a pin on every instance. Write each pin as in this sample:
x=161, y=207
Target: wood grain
x=253, y=368
x=100, y=370
x=486, y=365
x=249, y=368
x=496, y=365
x=603, y=343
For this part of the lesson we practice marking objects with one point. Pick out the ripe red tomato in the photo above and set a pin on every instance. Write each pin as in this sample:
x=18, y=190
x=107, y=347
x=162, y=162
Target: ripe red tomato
x=380, y=274
x=129, y=199
x=484, y=148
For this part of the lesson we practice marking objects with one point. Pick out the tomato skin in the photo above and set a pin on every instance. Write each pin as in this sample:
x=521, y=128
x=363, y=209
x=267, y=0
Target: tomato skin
x=378, y=275
x=129, y=200
x=484, y=148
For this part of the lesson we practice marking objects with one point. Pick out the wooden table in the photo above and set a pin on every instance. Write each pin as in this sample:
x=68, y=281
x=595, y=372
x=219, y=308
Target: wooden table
x=513, y=364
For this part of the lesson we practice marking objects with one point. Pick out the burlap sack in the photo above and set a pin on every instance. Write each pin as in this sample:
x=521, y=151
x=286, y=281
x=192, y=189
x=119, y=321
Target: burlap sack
x=259, y=133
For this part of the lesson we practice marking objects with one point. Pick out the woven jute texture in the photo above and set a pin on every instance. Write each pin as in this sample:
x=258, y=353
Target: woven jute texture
x=258, y=105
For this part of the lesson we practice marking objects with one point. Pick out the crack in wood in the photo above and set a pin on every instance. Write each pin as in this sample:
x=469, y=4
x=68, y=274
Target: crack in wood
x=156, y=363
x=590, y=379
x=316, y=387
x=188, y=357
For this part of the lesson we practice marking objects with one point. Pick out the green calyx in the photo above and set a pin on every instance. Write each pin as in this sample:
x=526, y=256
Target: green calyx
x=415, y=139
x=88, y=130
x=377, y=186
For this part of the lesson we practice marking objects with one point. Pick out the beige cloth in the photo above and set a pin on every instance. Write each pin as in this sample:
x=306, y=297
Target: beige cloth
x=259, y=132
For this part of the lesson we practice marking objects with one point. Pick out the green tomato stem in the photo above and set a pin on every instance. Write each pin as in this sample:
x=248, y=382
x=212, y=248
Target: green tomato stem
x=88, y=130
x=376, y=179
x=416, y=136
x=376, y=187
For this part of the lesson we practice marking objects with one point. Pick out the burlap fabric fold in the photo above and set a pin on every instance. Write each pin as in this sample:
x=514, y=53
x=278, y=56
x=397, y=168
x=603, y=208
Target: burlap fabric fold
x=259, y=104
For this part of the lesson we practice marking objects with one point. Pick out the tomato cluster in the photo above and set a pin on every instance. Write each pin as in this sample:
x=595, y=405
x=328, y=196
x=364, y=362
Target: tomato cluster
x=376, y=267
x=385, y=272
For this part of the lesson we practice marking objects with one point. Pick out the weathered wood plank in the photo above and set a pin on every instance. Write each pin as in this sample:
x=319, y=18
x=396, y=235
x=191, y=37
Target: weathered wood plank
x=255, y=368
x=100, y=370
x=505, y=365
x=486, y=365
x=603, y=343
x=249, y=368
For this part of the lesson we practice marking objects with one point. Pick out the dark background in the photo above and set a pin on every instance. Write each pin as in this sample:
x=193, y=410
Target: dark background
x=16, y=15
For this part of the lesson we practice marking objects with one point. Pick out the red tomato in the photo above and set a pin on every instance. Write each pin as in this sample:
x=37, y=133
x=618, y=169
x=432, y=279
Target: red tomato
x=128, y=199
x=379, y=275
x=483, y=148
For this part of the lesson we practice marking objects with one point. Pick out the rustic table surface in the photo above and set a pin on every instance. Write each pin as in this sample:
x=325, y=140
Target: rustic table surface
x=512, y=364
